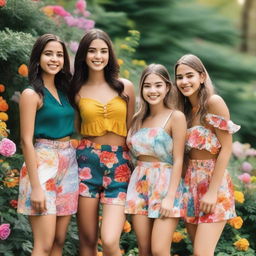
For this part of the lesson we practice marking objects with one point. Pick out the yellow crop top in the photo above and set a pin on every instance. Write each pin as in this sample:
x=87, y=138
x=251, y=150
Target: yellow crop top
x=98, y=119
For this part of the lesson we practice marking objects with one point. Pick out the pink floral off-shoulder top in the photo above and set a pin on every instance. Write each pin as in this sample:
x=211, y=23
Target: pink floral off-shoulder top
x=204, y=138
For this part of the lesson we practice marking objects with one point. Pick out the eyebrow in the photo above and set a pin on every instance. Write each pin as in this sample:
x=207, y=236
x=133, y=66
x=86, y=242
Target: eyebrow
x=52, y=51
x=160, y=82
x=94, y=48
x=189, y=73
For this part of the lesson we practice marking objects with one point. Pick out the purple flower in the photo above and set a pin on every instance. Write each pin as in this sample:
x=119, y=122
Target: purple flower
x=246, y=167
x=4, y=231
x=71, y=21
x=7, y=147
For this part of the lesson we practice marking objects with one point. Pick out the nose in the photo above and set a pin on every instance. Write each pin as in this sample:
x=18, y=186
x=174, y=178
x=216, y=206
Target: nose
x=53, y=57
x=98, y=54
x=184, y=80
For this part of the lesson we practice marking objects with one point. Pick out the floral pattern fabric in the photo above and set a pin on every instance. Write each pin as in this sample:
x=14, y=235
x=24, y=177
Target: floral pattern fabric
x=203, y=138
x=197, y=179
x=58, y=175
x=104, y=172
x=149, y=183
x=148, y=186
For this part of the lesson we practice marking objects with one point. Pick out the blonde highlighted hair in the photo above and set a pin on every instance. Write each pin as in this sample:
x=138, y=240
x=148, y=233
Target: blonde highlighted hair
x=205, y=91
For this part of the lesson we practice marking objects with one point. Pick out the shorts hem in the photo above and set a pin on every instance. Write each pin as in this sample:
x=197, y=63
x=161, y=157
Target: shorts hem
x=113, y=201
x=205, y=221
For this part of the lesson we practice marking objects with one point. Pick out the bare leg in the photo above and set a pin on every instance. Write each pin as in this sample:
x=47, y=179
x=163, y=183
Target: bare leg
x=113, y=219
x=60, y=235
x=87, y=220
x=207, y=237
x=191, y=228
x=43, y=228
x=163, y=229
x=143, y=228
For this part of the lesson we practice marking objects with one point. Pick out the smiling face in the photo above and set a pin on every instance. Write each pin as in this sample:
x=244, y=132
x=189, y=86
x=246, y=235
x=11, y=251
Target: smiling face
x=52, y=58
x=188, y=80
x=154, y=89
x=98, y=55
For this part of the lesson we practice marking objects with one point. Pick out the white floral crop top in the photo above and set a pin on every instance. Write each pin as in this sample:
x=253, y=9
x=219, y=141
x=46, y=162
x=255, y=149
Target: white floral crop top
x=203, y=138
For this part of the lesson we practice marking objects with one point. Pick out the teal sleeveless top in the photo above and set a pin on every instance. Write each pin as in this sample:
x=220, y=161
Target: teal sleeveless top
x=54, y=120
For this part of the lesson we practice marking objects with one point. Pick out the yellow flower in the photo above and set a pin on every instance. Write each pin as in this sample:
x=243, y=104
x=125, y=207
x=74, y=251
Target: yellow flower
x=120, y=62
x=3, y=117
x=3, y=125
x=48, y=11
x=124, y=46
x=127, y=227
x=126, y=73
x=23, y=70
x=236, y=222
x=177, y=237
x=253, y=179
x=239, y=197
x=242, y=244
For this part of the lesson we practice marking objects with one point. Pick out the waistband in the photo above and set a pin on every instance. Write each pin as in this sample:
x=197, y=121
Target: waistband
x=111, y=148
x=205, y=162
x=153, y=164
x=54, y=143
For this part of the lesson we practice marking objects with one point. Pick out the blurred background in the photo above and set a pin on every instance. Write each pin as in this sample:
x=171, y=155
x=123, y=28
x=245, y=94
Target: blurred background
x=221, y=33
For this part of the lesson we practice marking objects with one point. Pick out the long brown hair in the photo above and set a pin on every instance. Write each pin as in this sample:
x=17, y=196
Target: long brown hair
x=205, y=91
x=169, y=100
x=81, y=73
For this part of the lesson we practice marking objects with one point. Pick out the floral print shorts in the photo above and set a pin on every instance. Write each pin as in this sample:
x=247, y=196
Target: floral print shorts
x=148, y=186
x=58, y=175
x=104, y=171
x=197, y=181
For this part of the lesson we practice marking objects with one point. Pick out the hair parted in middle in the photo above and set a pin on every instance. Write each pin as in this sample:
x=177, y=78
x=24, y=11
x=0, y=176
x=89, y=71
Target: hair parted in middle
x=205, y=91
x=170, y=100
x=81, y=72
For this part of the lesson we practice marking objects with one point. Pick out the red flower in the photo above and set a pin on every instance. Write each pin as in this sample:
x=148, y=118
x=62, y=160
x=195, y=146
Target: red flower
x=23, y=172
x=14, y=203
x=122, y=173
x=108, y=158
x=50, y=185
x=2, y=3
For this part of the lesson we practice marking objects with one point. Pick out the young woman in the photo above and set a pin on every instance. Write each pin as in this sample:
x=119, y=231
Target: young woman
x=156, y=140
x=210, y=199
x=48, y=190
x=106, y=106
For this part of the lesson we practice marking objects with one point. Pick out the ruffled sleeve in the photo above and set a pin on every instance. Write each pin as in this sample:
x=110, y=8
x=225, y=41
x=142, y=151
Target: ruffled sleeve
x=221, y=123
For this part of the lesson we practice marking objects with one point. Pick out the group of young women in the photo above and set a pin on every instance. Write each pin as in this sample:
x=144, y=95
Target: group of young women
x=165, y=162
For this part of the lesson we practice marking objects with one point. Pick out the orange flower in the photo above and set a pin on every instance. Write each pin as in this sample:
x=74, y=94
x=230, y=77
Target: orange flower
x=11, y=182
x=177, y=237
x=236, y=222
x=50, y=185
x=127, y=227
x=242, y=244
x=99, y=254
x=2, y=3
x=74, y=143
x=122, y=173
x=3, y=104
x=142, y=187
x=2, y=87
x=3, y=116
x=23, y=70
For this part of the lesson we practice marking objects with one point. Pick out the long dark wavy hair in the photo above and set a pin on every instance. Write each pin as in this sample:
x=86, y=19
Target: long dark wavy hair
x=205, y=91
x=170, y=100
x=62, y=78
x=81, y=72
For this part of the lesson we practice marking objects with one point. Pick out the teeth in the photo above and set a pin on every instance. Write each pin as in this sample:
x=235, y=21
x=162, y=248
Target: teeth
x=97, y=62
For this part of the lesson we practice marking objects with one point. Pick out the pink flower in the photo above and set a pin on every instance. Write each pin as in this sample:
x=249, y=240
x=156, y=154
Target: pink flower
x=7, y=147
x=246, y=167
x=4, y=231
x=106, y=181
x=238, y=149
x=73, y=45
x=59, y=10
x=81, y=5
x=85, y=173
x=245, y=178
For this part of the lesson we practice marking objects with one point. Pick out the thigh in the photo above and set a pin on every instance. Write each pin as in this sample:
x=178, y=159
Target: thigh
x=43, y=228
x=163, y=229
x=88, y=218
x=191, y=229
x=61, y=228
x=142, y=226
x=207, y=237
x=113, y=219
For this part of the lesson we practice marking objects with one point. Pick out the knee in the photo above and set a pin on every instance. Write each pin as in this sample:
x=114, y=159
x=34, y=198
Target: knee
x=110, y=244
x=144, y=251
x=200, y=253
x=59, y=241
x=88, y=240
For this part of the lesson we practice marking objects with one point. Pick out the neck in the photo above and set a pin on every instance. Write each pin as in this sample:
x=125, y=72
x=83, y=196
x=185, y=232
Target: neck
x=194, y=100
x=156, y=109
x=96, y=78
x=48, y=80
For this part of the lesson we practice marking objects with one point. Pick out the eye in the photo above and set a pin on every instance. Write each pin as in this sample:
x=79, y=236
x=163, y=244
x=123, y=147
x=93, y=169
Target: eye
x=91, y=51
x=178, y=77
x=104, y=51
x=60, y=55
x=146, y=86
x=159, y=85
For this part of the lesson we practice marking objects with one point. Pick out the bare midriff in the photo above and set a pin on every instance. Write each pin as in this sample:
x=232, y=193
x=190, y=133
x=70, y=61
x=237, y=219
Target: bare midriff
x=109, y=138
x=197, y=154
x=67, y=138
x=146, y=158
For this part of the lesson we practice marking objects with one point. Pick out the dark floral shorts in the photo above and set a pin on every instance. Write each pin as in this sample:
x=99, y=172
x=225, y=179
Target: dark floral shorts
x=104, y=171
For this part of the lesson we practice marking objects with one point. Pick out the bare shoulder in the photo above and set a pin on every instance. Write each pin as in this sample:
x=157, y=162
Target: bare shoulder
x=217, y=106
x=178, y=116
x=29, y=96
x=127, y=83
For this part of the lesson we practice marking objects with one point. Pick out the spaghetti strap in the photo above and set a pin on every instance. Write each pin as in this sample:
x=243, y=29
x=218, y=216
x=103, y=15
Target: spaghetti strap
x=168, y=118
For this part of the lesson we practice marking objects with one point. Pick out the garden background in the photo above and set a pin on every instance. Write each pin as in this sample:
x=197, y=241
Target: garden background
x=221, y=33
